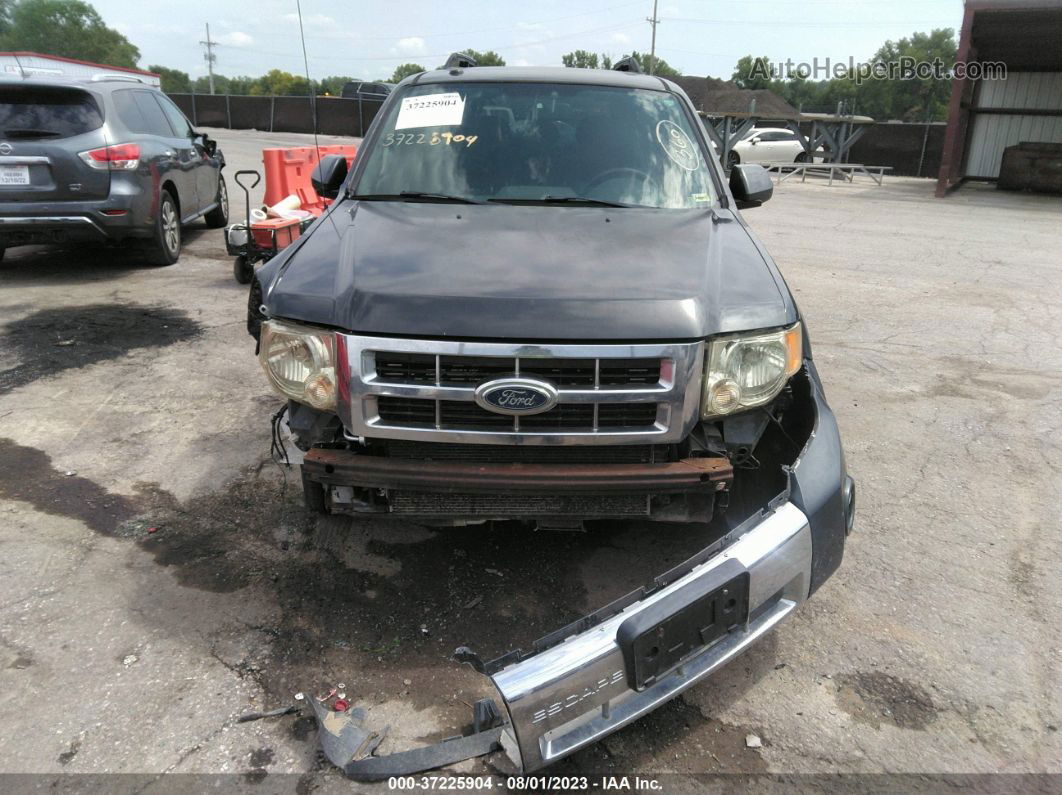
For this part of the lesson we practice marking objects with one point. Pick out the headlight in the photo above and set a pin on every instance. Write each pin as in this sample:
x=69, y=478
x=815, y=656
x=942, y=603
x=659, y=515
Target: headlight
x=300, y=363
x=749, y=370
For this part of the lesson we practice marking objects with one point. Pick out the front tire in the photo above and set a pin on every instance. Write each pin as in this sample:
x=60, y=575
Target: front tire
x=802, y=157
x=732, y=159
x=219, y=216
x=166, y=245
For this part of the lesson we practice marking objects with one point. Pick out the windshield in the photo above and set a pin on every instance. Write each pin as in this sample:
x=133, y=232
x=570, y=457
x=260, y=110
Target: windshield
x=530, y=143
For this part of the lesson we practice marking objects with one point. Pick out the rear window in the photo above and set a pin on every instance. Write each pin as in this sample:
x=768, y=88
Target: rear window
x=34, y=112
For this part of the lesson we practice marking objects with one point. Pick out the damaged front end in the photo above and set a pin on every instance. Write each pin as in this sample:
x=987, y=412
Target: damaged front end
x=589, y=679
x=780, y=538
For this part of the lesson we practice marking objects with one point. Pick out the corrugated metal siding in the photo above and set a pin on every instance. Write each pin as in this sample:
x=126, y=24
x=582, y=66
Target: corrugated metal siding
x=991, y=134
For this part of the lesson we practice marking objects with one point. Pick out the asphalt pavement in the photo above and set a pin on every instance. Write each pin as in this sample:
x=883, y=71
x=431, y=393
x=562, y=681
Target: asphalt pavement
x=158, y=575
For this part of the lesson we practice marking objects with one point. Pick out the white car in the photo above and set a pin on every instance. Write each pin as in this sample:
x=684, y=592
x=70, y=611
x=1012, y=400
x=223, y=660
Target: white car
x=766, y=145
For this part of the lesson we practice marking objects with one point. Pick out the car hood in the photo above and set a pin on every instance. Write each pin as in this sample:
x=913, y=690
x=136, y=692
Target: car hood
x=527, y=273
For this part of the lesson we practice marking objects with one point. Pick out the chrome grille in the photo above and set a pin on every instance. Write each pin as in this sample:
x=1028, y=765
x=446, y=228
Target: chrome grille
x=458, y=415
x=422, y=368
x=607, y=394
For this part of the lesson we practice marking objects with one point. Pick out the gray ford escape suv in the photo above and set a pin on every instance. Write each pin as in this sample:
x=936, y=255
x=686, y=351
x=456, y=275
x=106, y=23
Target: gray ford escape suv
x=103, y=160
x=534, y=297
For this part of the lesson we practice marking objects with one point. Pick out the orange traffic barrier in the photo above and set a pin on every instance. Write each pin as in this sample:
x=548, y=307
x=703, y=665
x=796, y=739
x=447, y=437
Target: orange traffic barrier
x=288, y=171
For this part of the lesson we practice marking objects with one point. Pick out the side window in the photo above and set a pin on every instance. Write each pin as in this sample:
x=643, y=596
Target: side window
x=129, y=111
x=154, y=122
x=180, y=124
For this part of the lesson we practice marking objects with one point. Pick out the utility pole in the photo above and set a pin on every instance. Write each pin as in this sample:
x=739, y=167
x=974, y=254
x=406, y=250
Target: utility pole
x=210, y=57
x=652, y=52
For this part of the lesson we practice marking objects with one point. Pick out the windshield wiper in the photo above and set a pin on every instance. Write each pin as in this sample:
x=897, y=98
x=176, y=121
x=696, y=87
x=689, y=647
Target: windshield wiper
x=411, y=195
x=583, y=200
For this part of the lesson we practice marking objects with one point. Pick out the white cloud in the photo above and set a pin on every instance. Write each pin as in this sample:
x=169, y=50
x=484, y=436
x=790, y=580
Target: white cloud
x=521, y=62
x=412, y=45
x=236, y=39
x=620, y=38
x=532, y=26
x=312, y=21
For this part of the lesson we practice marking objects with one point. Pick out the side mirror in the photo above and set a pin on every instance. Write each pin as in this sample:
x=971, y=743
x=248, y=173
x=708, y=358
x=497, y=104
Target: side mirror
x=208, y=144
x=754, y=141
x=751, y=185
x=328, y=175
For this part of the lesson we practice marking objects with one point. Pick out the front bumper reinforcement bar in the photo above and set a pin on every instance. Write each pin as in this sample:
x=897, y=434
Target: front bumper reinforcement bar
x=345, y=468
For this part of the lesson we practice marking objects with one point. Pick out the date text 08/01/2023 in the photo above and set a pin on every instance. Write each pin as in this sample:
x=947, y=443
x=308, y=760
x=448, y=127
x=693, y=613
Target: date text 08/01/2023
x=525, y=783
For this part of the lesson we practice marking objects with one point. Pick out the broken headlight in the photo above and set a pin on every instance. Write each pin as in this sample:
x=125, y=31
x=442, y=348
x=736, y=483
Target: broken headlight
x=300, y=363
x=748, y=370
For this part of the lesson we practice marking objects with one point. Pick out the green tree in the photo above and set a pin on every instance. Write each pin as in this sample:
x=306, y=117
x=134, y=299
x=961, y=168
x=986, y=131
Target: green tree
x=5, y=17
x=333, y=85
x=488, y=58
x=405, y=70
x=752, y=73
x=913, y=98
x=280, y=83
x=662, y=68
x=69, y=28
x=580, y=59
x=174, y=81
x=908, y=98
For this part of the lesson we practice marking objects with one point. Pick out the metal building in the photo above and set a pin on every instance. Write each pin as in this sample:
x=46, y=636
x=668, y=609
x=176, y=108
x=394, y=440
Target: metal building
x=988, y=116
x=32, y=64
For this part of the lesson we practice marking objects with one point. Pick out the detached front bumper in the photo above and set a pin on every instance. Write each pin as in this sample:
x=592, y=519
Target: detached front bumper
x=580, y=690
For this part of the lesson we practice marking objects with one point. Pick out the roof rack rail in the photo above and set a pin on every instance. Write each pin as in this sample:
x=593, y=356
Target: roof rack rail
x=103, y=77
x=628, y=64
x=459, y=60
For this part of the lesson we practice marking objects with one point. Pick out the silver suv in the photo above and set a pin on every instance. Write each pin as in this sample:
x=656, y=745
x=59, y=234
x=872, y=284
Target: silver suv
x=103, y=160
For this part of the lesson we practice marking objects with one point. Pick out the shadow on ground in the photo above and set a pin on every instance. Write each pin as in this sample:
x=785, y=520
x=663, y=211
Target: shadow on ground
x=382, y=603
x=49, y=341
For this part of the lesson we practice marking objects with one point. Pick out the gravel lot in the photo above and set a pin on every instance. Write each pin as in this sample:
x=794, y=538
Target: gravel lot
x=130, y=399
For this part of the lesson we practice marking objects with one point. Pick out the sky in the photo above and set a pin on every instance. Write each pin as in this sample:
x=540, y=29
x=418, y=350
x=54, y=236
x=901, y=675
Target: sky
x=368, y=38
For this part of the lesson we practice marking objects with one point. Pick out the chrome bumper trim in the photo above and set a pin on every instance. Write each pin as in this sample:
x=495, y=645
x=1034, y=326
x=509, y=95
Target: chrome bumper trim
x=575, y=693
x=49, y=220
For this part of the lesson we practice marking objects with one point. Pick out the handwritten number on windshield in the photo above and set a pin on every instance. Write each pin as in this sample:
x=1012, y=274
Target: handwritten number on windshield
x=434, y=139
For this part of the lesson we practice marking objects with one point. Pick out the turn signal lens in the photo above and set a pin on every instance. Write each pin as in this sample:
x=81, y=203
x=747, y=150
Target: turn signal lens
x=746, y=371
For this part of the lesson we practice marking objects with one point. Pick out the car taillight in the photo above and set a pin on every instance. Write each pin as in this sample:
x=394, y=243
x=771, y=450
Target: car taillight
x=120, y=157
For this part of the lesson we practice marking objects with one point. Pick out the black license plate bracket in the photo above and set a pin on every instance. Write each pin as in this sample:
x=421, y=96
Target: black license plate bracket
x=655, y=640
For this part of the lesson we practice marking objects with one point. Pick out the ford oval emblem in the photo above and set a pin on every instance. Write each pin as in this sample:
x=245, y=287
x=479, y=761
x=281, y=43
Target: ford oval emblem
x=516, y=396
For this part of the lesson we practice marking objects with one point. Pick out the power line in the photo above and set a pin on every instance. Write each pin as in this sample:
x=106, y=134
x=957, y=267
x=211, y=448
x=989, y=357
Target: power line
x=332, y=58
x=452, y=34
x=800, y=23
